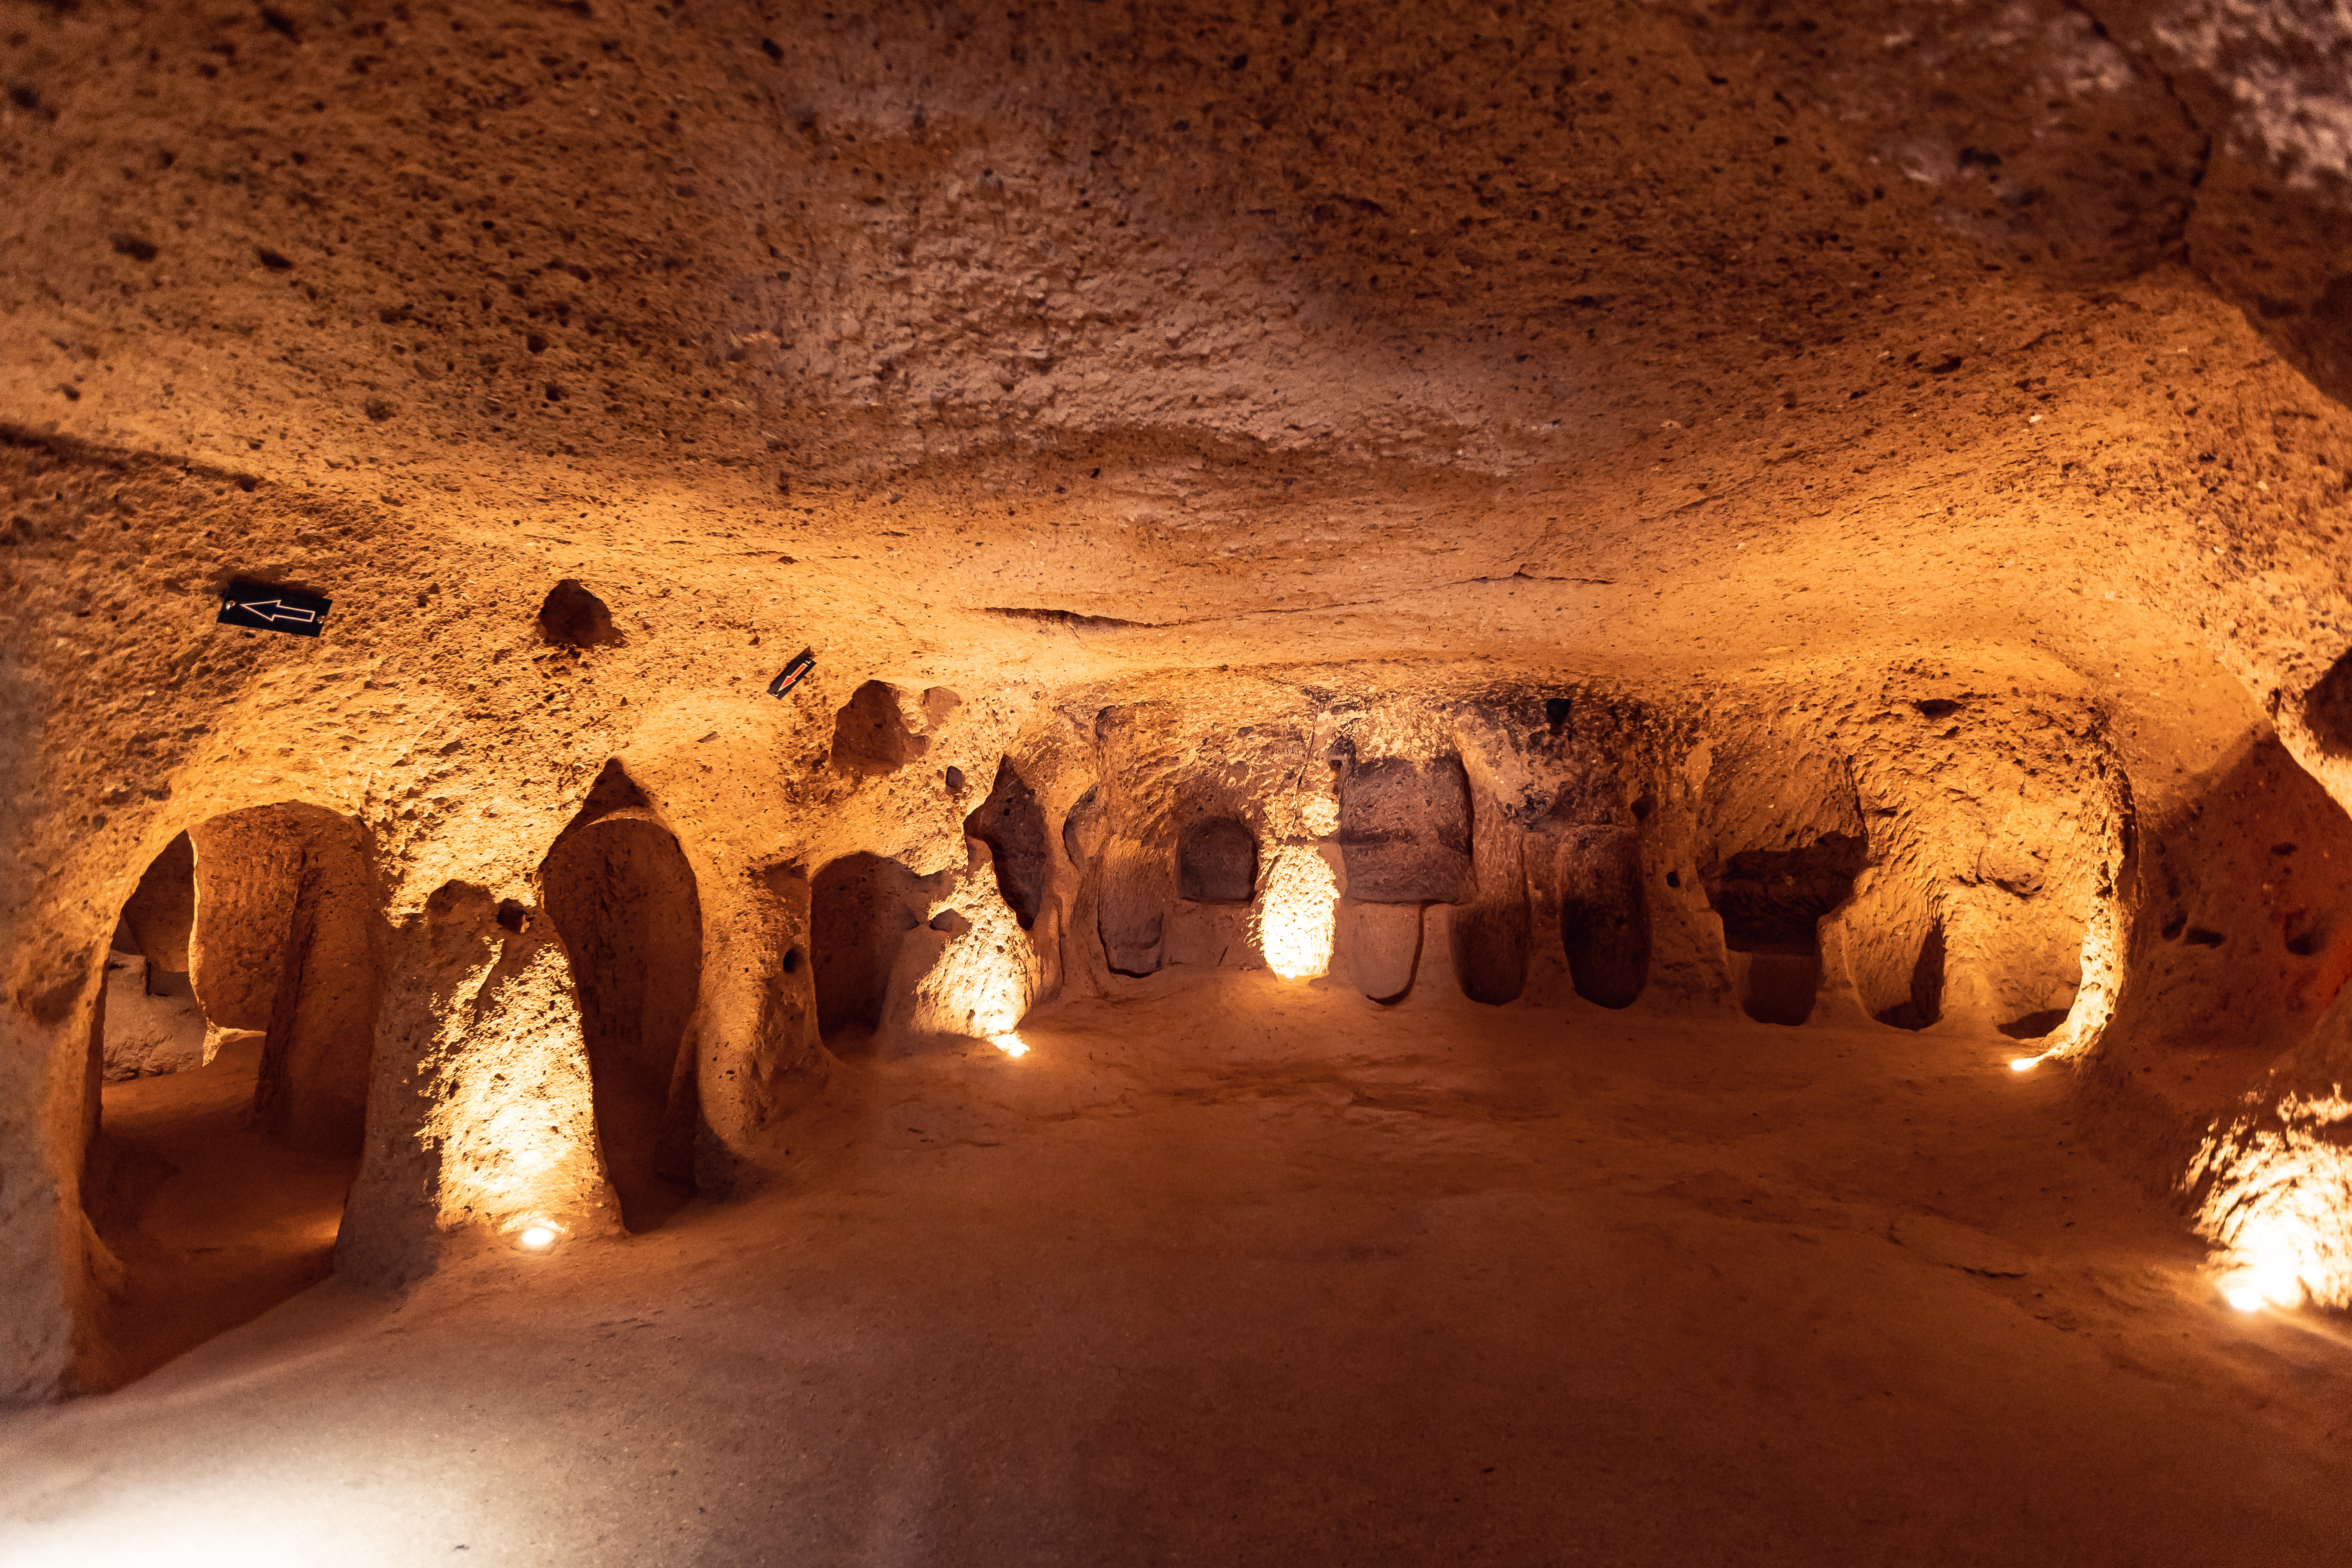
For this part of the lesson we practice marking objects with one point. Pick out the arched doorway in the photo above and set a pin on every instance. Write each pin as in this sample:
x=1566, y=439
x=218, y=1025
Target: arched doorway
x=1771, y=902
x=860, y=907
x=232, y=1044
x=621, y=895
x=1604, y=915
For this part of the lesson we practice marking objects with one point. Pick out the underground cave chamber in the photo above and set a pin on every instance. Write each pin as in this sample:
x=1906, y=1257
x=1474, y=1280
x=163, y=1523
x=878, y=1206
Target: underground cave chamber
x=1485, y=895
x=1497, y=848
x=1098, y=784
x=586, y=1057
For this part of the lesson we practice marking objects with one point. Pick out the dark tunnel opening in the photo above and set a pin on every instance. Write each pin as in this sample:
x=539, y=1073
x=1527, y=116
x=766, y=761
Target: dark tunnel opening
x=1771, y=902
x=229, y=1057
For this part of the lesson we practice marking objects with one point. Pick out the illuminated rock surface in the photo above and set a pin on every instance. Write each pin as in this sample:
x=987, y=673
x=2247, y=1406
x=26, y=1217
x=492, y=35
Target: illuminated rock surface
x=1519, y=650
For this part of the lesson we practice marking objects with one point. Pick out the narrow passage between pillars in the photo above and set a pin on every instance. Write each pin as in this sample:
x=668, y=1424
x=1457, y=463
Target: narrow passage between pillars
x=230, y=1059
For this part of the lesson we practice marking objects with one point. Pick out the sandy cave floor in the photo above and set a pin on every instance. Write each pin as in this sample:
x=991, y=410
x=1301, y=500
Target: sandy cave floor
x=1250, y=1271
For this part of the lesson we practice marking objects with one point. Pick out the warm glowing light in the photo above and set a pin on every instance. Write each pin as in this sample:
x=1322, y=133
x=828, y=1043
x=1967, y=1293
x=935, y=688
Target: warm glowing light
x=980, y=983
x=2273, y=1190
x=1319, y=816
x=2279, y=1286
x=2022, y=1064
x=1010, y=1044
x=2102, y=968
x=512, y=1109
x=538, y=1237
x=2271, y=1284
x=1295, y=914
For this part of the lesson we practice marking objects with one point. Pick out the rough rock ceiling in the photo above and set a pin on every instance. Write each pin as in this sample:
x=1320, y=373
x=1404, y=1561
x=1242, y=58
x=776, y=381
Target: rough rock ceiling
x=1159, y=313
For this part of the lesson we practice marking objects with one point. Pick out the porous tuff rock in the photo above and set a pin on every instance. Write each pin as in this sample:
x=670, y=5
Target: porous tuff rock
x=146, y=1034
x=480, y=1117
x=623, y=896
x=1755, y=388
x=1382, y=942
x=159, y=920
x=1404, y=829
x=484, y=1110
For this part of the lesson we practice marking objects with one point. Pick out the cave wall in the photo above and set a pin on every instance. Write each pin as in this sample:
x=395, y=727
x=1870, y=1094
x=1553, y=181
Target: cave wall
x=1623, y=818
x=160, y=917
x=1921, y=425
x=759, y=1054
x=316, y=1057
x=1587, y=835
x=249, y=875
x=2238, y=949
x=480, y=1114
x=623, y=899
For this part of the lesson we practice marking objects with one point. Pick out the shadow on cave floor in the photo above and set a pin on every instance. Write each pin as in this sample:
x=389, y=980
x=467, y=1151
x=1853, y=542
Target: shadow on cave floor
x=655, y=1202
x=1255, y=1272
x=213, y=1222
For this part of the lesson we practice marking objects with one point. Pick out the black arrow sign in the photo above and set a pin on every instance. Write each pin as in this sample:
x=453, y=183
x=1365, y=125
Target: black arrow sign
x=790, y=676
x=264, y=606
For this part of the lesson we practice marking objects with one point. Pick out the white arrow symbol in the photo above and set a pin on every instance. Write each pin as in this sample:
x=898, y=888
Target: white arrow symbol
x=281, y=610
